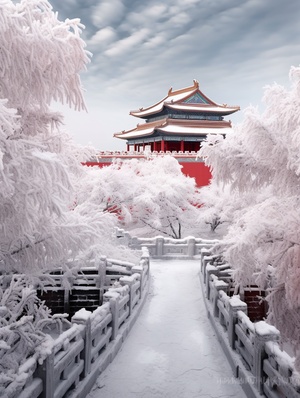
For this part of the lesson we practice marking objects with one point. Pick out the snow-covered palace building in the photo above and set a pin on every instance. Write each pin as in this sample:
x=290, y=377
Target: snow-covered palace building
x=175, y=125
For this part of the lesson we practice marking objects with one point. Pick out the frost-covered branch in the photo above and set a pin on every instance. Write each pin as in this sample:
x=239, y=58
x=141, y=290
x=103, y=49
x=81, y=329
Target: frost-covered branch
x=258, y=163
x=23, y=322
x=41, y=172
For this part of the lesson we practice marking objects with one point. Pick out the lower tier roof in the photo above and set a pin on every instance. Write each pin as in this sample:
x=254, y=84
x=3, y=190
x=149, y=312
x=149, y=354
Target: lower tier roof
x=176, y=127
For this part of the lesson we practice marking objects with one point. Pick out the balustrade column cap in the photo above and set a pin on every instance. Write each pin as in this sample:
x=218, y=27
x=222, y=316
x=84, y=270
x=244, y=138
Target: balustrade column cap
x=237, y=304
x=111, y=295
x=219, y=284
x=265, y=331
x=81, y=316
x=210, y=267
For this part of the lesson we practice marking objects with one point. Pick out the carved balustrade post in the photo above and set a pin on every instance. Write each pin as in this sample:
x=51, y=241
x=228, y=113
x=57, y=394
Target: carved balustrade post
x=83, y=317
x=263, y=333
x=234, y=305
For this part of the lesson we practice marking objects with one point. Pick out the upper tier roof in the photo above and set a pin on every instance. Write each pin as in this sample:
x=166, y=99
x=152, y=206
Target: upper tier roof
x=177, y=127
x=187, y=99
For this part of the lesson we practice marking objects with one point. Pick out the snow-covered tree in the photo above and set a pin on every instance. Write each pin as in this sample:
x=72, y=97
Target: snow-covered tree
x=41, y=172
x=166, y=201
x=40, y=166
x=260, y=160
x=216, y=209
x=23, y=319
x=151, y=196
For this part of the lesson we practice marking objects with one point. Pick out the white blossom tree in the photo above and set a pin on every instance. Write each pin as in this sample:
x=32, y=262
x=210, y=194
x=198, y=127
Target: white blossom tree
x=41, y=173
x=40, y=166
x=151, y=196
x=167, y=201
x=260, y=160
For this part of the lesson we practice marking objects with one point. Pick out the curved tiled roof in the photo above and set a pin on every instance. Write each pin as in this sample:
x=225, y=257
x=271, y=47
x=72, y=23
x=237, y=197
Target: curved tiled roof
x=180, y=127
x=176, y=99
x=220, y=109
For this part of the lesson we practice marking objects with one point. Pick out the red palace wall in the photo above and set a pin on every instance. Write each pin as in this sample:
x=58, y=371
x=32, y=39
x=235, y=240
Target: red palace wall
x=190, y=167
x=198, y=170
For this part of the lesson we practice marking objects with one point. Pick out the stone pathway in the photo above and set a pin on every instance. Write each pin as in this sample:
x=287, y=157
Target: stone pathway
x=172, y=351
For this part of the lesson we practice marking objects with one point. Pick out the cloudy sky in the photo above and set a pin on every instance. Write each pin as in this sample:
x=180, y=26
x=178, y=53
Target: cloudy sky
x=142, y=48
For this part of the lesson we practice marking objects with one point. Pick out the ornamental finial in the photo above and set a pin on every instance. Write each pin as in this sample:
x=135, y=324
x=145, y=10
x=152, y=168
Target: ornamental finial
x=196, y=83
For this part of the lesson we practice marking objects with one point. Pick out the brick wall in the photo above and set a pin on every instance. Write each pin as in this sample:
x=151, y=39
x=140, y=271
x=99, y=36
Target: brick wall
x=54, y=300
x=60, y=301
x=257, y=307
x=88, y=299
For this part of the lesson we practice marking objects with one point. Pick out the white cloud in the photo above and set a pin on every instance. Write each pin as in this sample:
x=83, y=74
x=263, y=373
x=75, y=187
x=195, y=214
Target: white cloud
x=233, y=47
x=156, y=11
x=103, y=37
x=107, y=12
x=155, y=41
x=122, y=46
x=179, y=19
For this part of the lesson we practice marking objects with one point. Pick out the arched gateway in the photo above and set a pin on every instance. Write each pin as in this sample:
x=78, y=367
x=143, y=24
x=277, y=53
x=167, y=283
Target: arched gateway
x=176, y=125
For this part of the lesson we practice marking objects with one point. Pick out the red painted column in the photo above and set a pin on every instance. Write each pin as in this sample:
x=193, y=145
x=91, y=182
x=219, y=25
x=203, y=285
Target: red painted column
x=182, y=145
x=155, y=146
x=163, y=145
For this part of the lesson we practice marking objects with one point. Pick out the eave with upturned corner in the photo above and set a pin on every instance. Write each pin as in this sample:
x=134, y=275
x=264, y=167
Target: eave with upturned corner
x=179, y=122
x=179, y=99
x=176, y=127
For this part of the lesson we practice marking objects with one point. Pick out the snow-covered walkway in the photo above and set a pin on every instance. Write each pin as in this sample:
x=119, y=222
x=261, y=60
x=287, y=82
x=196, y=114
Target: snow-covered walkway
x=172, y=351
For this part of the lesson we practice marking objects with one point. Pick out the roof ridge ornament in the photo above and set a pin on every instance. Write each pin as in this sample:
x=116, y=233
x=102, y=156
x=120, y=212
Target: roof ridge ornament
x=196, y=83
x=170, y=91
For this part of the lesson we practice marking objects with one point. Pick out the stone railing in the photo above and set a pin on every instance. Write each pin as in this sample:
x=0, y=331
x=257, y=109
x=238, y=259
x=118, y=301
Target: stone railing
x=110, y=154
x=86, y=289
x=79, y=354
x=162, y=247
x=252, y=348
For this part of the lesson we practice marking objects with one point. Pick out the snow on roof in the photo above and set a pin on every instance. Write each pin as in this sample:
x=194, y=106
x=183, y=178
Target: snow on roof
x=174, y=99
x=203, y=108
x=173, y=96
x=194, y=130
x=135, y=133
x=170, y=126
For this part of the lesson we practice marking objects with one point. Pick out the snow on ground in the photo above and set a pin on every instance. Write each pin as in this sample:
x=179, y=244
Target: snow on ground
x=172, y=351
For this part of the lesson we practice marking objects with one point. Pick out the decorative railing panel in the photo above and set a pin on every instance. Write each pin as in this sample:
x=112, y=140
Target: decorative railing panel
x=281, y=378
x=26, y=383
x=163, y=247
x=81, y=352
x=251, y=347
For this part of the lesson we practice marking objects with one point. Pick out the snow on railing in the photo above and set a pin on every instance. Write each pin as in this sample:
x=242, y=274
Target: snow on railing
x=82, y=352
x=87, y=287
x=26, y=380
x=252, y=348
x=162, y=247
